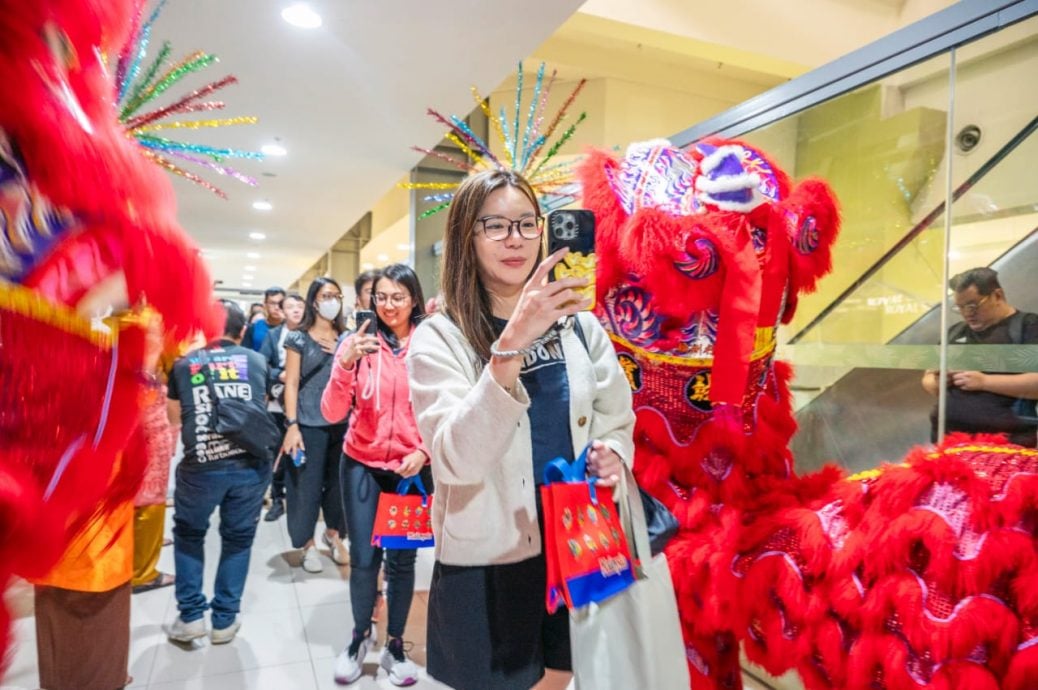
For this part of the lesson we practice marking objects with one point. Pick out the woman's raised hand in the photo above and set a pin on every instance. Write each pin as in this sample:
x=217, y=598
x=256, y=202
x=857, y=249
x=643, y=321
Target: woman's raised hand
x=542, y=303
x=360, y=345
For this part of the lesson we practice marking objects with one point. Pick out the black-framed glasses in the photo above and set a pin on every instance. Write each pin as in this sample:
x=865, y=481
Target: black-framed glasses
x=398, y=299
x=498, y=228
x=970, y=308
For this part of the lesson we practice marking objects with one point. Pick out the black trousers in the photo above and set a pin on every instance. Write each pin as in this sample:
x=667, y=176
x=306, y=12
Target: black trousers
x=314, y=486
x=277, y=481
x=362, y=486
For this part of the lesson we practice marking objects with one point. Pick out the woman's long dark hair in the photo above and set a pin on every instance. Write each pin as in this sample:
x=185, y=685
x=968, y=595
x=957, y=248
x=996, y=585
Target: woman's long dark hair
x=466, y=301
x=310, y=311
x=403, y=275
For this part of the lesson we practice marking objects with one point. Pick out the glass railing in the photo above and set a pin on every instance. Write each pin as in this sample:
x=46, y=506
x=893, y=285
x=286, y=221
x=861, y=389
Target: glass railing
x=861, y=343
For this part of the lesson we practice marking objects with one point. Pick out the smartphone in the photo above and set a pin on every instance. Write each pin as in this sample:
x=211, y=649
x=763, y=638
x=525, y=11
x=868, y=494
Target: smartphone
x=362, y=315
x=574, y=228
x=299, y=457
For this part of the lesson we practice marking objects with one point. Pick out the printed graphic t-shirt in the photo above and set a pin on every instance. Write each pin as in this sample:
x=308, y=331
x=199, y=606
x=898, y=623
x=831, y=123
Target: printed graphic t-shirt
x=237, y=372
x=544, y=377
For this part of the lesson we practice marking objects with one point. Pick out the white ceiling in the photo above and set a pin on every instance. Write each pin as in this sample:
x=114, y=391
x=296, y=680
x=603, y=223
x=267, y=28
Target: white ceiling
x=347, y=100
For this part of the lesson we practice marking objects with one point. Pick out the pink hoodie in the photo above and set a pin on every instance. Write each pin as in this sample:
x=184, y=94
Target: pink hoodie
x=382, y=426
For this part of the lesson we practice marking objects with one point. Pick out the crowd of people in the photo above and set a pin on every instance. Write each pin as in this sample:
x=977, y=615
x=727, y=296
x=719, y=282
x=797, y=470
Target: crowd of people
x=473, y=392
x=474, y=400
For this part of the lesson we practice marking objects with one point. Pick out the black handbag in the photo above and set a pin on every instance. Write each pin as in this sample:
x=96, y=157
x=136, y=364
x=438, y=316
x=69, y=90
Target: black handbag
x=245, y=423
x=661, y=523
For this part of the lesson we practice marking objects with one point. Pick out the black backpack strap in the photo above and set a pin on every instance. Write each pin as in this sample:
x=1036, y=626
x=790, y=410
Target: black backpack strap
x=579, y=330
x=1016, y=328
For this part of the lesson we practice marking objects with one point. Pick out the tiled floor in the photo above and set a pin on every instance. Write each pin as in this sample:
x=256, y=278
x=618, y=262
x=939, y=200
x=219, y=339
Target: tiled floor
x=293, y=626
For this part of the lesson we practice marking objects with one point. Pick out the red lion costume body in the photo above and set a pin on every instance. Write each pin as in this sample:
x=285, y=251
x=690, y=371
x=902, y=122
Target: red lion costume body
x=89, y=224
x=919, y=576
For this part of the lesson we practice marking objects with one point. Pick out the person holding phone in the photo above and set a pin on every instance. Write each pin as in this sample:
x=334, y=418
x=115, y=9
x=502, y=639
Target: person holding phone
x=381, y=448
x=312, y=441
x=502, y=385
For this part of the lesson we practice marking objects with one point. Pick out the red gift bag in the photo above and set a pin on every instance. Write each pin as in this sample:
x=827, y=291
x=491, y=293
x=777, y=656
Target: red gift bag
x=585, y=548
x=404, y=520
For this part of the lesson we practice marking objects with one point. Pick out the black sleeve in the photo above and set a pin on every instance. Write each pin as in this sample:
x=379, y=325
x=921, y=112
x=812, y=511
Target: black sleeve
x=294, y=341
x=171, y=386
x=1030, y=335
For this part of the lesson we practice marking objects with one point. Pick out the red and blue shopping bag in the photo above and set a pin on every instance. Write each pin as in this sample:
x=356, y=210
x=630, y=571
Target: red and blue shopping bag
x=585, y=548
x=404, y=520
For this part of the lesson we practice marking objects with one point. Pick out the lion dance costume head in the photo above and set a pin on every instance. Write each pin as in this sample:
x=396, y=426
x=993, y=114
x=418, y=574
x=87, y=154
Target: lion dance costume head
x=921, y=576
x=87, y=227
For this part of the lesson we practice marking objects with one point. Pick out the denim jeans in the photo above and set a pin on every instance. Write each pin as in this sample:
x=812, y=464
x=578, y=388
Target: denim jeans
x=238, y=493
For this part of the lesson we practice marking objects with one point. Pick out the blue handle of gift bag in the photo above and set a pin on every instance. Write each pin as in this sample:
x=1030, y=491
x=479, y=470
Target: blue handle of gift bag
x=562, y=470
x=416, y=481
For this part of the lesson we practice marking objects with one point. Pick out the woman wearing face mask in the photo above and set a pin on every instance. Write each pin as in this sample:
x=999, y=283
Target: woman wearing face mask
x=382, y=447
x=313, y=444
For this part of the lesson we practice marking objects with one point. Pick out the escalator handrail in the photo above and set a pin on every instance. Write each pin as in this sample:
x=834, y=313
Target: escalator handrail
x=918, y=228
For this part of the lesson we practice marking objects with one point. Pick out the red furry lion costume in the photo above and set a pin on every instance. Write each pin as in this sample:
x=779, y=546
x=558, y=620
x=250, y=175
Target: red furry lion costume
x=88, y=225
x=919, y=576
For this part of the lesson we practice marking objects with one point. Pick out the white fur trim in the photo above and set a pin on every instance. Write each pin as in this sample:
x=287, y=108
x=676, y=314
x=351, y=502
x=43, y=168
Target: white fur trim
x=710, y=162
x=743, y=206
x=637, y=146
x=729, y=183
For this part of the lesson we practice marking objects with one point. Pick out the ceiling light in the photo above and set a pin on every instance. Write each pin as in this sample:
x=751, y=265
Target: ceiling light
x=249, y=268
x=252, y=255
x=246, y=284
x=367, y=266
x=404, y=247
x=302, y=15
x=257, y=236
x=383, y=257
x=262, y=205
x=273, y=150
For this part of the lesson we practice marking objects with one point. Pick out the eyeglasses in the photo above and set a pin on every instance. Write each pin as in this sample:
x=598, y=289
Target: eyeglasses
x=397, y=300
x=498, y=228
x=970, y=308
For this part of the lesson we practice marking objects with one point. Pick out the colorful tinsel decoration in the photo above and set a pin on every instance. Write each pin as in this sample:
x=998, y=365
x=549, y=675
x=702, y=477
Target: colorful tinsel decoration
x=137, y=86
x=521, y=142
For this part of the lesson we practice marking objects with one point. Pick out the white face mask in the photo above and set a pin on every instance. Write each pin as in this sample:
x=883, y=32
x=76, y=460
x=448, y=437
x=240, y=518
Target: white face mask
x=330, y=309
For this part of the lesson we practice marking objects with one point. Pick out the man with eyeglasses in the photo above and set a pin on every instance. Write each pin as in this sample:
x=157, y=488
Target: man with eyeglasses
x=984, y=402
x=273, y=301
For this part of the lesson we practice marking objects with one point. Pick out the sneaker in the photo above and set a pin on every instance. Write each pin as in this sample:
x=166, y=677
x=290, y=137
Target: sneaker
x=337, y=550
x=402, y=671
x=225, y=635
x=349, y=665
x=277, y=509
x=312, y=560
x=180, y=631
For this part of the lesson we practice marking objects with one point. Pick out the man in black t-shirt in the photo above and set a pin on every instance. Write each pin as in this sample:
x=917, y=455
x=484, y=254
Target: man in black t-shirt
x=978, y=401
x=214, y=473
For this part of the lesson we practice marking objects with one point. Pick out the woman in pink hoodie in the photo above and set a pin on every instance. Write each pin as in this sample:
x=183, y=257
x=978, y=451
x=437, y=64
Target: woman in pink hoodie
x=381, y=447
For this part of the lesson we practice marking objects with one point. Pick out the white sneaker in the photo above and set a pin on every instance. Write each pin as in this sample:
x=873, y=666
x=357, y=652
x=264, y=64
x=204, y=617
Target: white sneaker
x=179, y=631
x=349, y=665
x=337, y=550
x=312, y=560
x=402, y=671
x=225, y=635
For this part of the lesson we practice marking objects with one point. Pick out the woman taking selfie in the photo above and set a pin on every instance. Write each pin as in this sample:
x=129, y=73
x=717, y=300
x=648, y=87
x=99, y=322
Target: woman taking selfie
x=502, y=384
x=313, y=443
x=382, y=447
